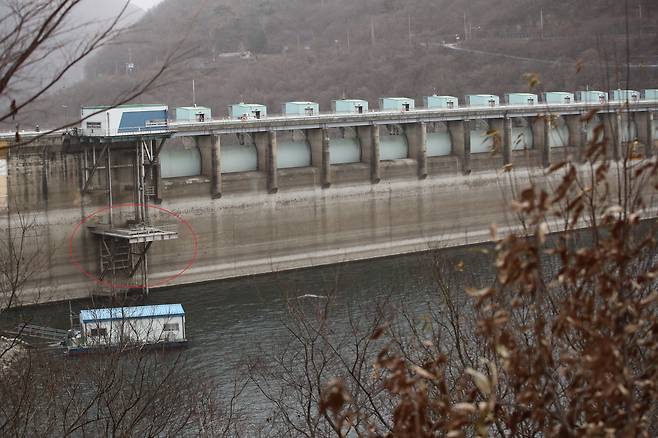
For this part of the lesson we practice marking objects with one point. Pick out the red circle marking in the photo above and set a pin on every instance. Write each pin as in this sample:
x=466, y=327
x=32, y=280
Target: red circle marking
x=162, y=282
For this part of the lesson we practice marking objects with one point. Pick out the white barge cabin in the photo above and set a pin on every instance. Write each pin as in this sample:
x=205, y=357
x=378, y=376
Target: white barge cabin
x=121, y=326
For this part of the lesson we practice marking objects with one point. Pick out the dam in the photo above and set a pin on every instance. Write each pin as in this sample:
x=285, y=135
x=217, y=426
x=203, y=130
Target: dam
x=228, y=198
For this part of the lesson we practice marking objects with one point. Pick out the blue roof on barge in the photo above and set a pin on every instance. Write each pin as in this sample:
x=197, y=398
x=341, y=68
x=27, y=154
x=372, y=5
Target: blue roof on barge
x=118, y=313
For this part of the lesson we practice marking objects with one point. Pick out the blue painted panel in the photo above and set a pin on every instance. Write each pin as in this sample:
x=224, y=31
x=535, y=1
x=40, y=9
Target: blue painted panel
x=344, y=150
x=393, y=147
x=238, y=158
x=438, y=144
x=137, y=312
x=178, y=161
x=137, y=120
x=293, y=154
x=521, y=138
x=480, y=142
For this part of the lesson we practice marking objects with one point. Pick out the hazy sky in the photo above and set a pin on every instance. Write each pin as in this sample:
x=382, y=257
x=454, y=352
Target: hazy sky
x=145, y=4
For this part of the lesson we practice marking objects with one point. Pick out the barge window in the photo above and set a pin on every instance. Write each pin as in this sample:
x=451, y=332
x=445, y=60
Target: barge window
x=98, y=332
x=172, y=327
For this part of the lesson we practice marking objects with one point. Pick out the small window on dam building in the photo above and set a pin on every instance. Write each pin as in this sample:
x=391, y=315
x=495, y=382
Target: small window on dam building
x=98, y=332
x=170, y=327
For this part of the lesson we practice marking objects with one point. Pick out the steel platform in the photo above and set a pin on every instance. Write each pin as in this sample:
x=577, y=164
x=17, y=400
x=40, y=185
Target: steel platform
x=136, y=234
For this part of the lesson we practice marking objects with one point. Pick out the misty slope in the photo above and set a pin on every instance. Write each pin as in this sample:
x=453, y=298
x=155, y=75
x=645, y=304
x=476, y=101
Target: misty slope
x=99, y=11
x=325, y=49
x=94, y=16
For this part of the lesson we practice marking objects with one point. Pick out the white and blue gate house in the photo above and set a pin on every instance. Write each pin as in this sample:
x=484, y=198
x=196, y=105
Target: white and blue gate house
x=139, y=325
x=123, y=119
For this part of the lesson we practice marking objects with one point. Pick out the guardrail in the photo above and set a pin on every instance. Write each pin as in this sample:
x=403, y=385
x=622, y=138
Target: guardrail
x=374, y=116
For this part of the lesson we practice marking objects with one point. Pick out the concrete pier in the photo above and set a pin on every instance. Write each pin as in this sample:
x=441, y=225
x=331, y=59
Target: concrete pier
x=577, y=135
x=4, y=155
x=370, y=150
x=540, y=137
x=646, y=132
x=613, y=127
x=216, y=167
x=267, y=158
x=210, y=151
x=319, y=142
x=417, y=136
x=460, y=136
x=502, y=129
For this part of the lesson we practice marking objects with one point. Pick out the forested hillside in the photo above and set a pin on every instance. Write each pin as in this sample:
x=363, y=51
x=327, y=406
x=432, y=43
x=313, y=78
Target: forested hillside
x=325, y=49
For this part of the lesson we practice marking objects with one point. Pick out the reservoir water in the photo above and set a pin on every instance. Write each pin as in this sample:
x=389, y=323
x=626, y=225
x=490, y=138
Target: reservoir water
x=231, y=320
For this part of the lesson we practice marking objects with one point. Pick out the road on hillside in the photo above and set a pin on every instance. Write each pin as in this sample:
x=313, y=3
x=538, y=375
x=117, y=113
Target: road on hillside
x=457, y=47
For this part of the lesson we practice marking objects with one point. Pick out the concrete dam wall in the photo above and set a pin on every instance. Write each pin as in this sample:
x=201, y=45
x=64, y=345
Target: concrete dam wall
x=257, y=216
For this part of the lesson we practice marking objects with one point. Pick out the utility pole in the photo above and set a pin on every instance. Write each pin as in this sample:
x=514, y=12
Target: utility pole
x=541, y=23
x=348, y=40
x=465, y=27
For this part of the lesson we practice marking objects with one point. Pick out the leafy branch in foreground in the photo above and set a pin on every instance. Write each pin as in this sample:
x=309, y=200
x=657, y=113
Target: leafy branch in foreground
x=566, y=337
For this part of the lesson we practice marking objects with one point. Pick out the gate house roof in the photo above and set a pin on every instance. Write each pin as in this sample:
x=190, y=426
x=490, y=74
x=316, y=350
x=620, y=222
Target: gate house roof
x=119, y=313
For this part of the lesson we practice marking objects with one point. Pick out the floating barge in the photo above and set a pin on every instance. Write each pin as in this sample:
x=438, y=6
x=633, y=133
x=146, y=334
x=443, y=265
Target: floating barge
x=137, y=327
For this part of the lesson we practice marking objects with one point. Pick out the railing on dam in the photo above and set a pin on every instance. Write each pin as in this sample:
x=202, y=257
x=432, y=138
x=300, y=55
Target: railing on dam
x=388, y=117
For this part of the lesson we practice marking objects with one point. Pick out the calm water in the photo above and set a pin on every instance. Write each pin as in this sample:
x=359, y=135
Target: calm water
x=229, y=320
